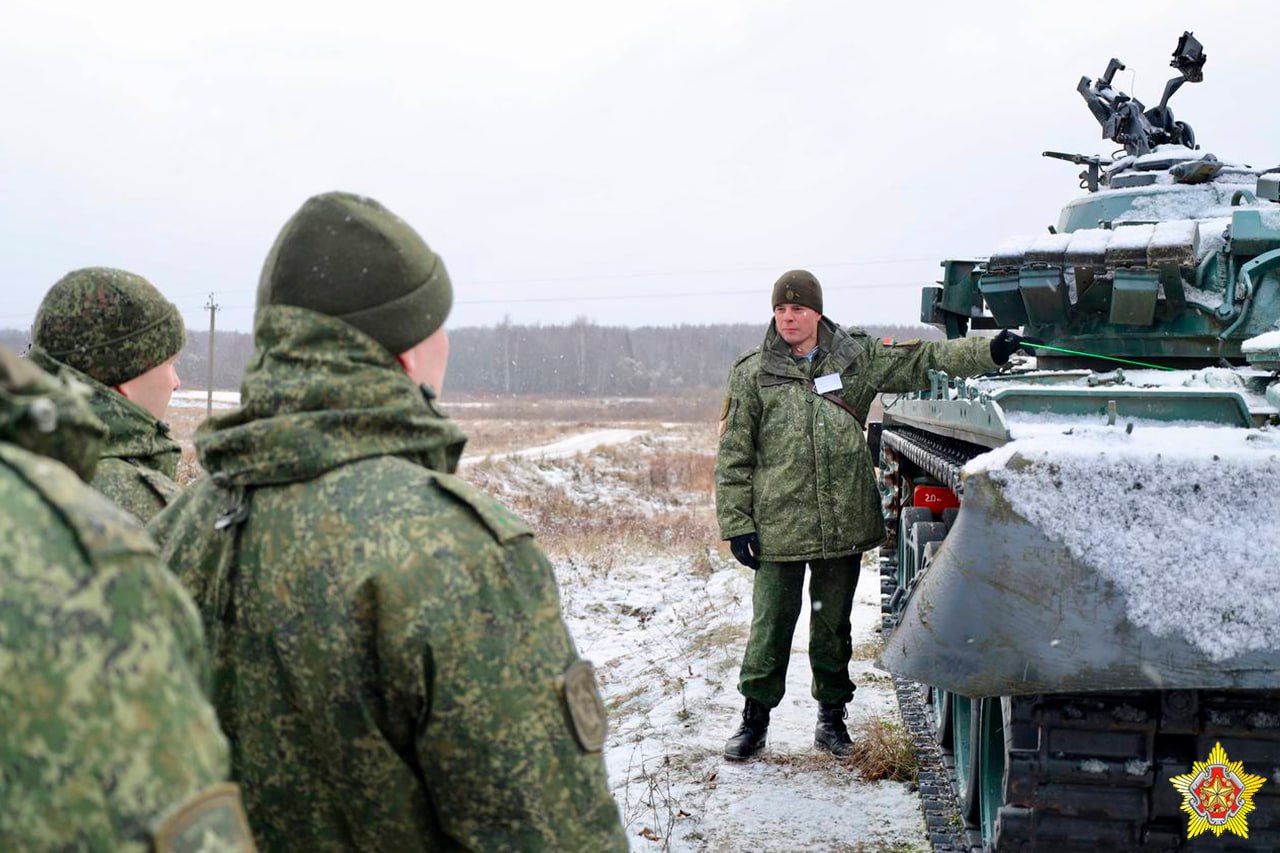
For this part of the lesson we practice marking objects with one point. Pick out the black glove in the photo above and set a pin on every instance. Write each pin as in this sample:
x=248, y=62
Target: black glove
x=746, y=549
x=1005, y=345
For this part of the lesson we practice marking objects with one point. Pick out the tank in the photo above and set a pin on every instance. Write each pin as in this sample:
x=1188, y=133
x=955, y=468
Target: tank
x=1083, y=566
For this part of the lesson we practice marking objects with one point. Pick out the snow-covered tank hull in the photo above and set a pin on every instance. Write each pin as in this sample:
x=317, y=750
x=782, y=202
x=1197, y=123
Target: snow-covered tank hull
x=1016, y=601
x=1083, y=566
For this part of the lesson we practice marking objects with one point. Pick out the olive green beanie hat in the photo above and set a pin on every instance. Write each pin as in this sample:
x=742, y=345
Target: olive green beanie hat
x=351, y=258
x=798, y=287
x=109, y=324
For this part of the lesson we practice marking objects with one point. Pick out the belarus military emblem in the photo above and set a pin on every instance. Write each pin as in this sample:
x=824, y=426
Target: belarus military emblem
x=1217, y=794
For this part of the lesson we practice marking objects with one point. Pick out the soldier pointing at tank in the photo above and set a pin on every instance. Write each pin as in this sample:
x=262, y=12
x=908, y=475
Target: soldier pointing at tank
x=795, y=487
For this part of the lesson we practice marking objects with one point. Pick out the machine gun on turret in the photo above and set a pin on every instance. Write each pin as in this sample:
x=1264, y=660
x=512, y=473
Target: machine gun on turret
x=1125, y=120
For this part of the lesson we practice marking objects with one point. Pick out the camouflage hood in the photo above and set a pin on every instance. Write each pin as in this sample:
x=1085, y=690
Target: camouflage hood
x=320, y=394
x=48, y=415
x=133, y=433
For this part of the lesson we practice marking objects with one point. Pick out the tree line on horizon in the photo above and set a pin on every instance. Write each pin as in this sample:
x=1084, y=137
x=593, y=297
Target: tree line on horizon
x=580, y=358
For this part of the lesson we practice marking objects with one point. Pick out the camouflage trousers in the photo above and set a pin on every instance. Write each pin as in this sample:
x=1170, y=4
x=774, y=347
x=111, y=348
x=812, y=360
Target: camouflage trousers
x=776, y=600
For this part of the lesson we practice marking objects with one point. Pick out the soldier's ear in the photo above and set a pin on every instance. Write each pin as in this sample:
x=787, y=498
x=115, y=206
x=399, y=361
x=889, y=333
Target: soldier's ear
x=407, y=361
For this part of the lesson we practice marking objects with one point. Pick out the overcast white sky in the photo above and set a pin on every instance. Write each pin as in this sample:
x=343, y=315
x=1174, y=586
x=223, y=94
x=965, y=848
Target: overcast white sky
x=641, y=162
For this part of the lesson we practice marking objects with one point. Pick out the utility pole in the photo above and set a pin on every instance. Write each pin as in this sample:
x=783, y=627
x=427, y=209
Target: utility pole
x=212, y=308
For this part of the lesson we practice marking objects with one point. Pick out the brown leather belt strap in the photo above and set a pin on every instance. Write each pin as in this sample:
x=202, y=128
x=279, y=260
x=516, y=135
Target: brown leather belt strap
x=839, y=401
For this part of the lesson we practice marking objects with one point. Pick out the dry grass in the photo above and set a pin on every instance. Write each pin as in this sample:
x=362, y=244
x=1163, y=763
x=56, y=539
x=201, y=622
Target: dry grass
x=680, y=470
x=588, y=531
x=883, y=749
x=868, y=649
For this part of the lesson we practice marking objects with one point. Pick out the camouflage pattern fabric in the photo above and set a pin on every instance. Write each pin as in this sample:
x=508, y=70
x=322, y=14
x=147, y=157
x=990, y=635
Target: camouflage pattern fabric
x=139, y=460
x=48, y=415
x=391, y=665
x=110, y=324
x=106, y=730
x=776, y=600
x=795, y=467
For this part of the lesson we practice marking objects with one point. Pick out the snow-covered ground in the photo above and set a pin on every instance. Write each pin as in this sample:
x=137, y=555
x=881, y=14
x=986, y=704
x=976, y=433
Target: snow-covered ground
x=666, y=632
x=667, y=639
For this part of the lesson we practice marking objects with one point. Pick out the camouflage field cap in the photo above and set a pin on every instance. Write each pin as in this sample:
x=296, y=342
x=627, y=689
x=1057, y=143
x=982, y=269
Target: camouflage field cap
x=110, y=324
x=799, y=287
x=350, y=258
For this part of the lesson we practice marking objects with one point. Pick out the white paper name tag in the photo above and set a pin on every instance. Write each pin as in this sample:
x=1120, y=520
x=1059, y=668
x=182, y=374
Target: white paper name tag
x=827, y=384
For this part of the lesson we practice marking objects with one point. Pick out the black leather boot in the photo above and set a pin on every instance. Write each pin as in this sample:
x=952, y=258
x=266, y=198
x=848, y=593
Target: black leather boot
x=749, y=738
x=831, y=734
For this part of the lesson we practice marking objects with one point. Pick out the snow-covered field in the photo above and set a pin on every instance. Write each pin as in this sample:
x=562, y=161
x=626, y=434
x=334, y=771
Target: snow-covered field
x=666, y=631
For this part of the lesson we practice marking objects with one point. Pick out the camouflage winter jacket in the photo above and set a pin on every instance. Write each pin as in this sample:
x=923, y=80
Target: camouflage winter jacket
x=139, y=460
x=794, y=467
x=391, y=666
x=107, y=741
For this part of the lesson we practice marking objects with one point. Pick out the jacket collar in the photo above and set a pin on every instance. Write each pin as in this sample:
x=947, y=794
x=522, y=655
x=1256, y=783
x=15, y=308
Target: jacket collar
x=837, y=349
x=132, y=432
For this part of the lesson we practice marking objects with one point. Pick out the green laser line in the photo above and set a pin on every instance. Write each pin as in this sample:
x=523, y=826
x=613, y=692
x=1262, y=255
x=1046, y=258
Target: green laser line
x=1096, y=355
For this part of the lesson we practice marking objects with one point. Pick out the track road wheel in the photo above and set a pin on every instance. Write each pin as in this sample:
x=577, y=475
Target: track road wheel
x=908, y=518
x=941, y=701
x=963, y=735
x=989, y=752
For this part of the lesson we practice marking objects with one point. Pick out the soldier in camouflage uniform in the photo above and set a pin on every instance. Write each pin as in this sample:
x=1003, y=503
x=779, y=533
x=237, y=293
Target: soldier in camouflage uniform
x=113, y=331
x=106, y=739
x=391, y=666
x=795, y=486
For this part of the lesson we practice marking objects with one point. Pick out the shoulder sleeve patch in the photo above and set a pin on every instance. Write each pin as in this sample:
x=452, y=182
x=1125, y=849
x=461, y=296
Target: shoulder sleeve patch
x=504, y=524
x=910, y=344
x=583, y=706
x=212, y=820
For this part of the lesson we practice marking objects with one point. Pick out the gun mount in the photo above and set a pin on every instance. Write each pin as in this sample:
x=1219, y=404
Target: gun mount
x=1126, y=120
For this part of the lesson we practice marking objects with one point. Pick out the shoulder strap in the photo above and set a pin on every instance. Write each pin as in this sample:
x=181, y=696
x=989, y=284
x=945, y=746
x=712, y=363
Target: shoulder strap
x=103, y=529
x=504, y=524
x=839, y=401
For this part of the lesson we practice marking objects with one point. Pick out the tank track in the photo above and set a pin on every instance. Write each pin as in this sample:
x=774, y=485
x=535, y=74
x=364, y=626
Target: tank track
x=1090, y=772
x=937, y=456
x=943, y=823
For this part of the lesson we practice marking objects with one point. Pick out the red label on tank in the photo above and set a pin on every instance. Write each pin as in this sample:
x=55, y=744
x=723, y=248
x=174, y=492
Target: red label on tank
x=936, y=498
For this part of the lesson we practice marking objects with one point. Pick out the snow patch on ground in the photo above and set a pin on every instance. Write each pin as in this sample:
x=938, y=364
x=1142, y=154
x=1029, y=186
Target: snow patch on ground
x=1184, y=519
